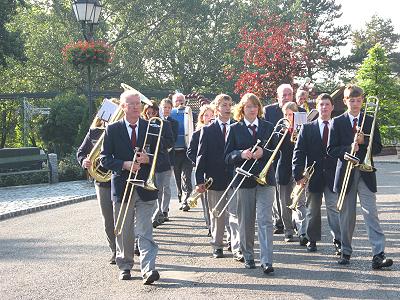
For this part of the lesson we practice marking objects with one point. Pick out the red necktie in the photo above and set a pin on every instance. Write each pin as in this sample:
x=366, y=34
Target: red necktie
x=355, y=125
x=253, y=129
x=133, y=136
x=325, y=134
x=224, y=130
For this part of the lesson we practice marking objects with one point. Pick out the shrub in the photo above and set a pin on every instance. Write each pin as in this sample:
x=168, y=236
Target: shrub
x=69, y=169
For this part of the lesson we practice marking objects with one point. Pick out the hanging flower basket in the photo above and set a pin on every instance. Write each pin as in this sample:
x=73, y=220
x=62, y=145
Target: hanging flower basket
x=84, y=53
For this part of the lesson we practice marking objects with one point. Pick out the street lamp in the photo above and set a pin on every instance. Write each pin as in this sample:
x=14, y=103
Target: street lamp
x=87, y=12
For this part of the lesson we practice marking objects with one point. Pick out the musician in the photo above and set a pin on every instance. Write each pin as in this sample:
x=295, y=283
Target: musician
x=103, y=189
x=301, y=98
x=273, y=113
x=285, y=183
x=166, y=107
x=342, y=135
x=311, y=147
x=183, y=166
x=206, y=114
x=120, y=143
x=163, y=167
x=254, y=200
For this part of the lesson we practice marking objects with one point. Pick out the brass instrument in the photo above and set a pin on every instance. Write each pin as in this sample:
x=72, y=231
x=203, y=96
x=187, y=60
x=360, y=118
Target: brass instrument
x=132, y=182
x=299, y=189
x=282, y=124
x=95, y=170
x=352, y=160
x=192, y=200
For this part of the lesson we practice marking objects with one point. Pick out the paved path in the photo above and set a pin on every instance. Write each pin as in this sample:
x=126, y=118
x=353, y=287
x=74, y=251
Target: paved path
x=19, y=200
x=61, y=254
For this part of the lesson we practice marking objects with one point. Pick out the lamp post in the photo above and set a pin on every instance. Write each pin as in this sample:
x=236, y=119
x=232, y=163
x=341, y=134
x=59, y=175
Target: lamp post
x=87, y=12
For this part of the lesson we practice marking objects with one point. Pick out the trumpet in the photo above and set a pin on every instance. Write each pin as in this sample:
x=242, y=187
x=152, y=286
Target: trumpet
x=282, y=124
x=192, y=200
x=132, y=182
x=299, y=189
x=352, y=160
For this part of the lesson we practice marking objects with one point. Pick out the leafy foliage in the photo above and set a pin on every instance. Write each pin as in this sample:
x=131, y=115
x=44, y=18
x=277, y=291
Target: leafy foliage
x=374, y=76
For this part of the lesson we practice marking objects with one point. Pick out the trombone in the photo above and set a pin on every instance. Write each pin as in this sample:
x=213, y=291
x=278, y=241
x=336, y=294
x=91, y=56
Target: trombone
x=131, y=182
x=282, y=124
x=352, y=160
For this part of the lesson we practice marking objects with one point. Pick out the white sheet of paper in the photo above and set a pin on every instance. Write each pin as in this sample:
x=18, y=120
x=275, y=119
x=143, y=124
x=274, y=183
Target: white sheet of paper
x=106, y=110
x=299, y=118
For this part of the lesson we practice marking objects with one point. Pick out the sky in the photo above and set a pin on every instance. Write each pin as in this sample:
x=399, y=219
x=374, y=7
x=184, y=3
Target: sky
x=357, y=12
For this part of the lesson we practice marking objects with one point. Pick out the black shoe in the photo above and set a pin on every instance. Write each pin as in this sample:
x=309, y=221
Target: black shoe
x=249, y=264
x=238, y=256
x=125, y=275
x=290, y=238
x=338, y=247
x=267, y=268
x=166, y=218
x=344, y=260
x=209, y=233
x=156, y=224
x=161, y=219
x=229, y=247
x=218, y=253
x=278, y=230
x=303, y=240
x=150, y=277
x=136, y=252
x=185, y=207
x=112, y=259
x=380, y=261
x=311, y=246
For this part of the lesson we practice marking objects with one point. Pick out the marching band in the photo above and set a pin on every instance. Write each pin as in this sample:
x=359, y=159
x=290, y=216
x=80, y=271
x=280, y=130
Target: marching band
x=252, y=164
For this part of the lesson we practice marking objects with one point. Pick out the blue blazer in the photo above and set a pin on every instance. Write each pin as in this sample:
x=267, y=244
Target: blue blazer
x=191, y=151
x=175, y=127
x=340, y=139
x=167, y=142
x=240, y=139
x=284, y=163
x=117, y=148
x=309, y=148
x=211, y=158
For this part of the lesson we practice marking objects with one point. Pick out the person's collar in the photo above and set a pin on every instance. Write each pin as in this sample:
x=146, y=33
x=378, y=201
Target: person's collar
x=354, y=117
x=248, y=123
x=220, y=122
x=320, y=121
x=127, y=123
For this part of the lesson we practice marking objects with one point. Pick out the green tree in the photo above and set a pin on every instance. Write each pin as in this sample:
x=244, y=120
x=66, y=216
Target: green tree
x=377, y=30
x=374, y=76
x=11, y=44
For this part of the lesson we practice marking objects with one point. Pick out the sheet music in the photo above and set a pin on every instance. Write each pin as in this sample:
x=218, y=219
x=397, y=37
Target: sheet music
x=299, y=118
x=106, y=110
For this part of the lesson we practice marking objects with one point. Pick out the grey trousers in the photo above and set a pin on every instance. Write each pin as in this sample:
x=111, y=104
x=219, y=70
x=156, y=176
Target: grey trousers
x=217, y=224
x=368, y=207
x=252, y=203
x=232, y=224
x=289, y=216
x=162, y=181
x=206, y=209
x=143, y=229
x=106, y=208
x=314, y=201
x=276, y=210
x=183, y=175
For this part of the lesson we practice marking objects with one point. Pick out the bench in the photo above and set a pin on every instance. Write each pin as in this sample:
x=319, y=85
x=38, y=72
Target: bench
x=14, y=161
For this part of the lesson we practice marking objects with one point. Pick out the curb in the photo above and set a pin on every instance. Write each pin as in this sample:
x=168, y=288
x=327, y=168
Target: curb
x=45, y=206
x=387, y=162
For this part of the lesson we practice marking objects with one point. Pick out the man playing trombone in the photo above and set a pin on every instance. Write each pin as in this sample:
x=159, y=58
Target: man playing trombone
x=346, y=135
x=121, y=145
x=254, y=200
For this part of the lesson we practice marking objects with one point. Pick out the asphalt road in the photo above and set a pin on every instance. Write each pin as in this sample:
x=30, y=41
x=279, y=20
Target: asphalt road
x=61, y=254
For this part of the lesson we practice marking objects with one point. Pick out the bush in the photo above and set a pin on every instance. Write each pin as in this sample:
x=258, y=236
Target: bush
x=24, y=179
x=69, y=169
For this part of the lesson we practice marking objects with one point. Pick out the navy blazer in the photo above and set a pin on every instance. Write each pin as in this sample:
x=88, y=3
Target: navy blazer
x=191, y=152
x=284, y=164
x=309, y=148
x=341, y=137
x=211, y=158
x=241, y=139
x=117, y=148
x=175, y=126
x=167, y=142
x=86, y=147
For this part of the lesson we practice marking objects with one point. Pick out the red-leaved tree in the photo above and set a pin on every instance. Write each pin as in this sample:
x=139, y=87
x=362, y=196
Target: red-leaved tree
x=272, y=54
